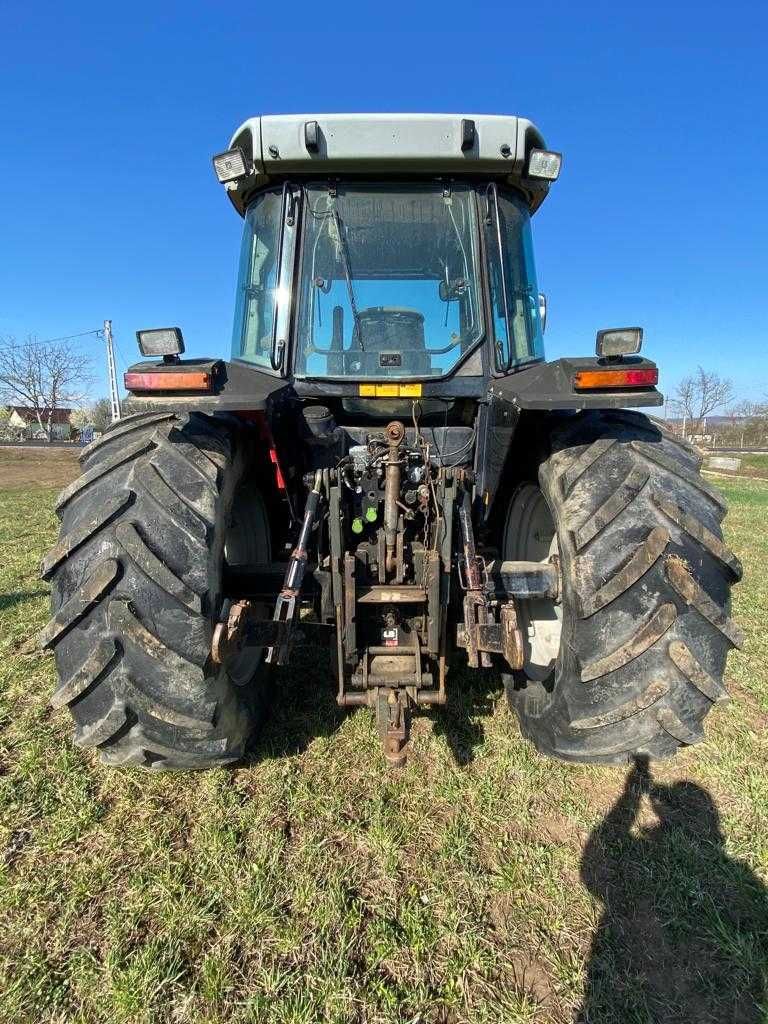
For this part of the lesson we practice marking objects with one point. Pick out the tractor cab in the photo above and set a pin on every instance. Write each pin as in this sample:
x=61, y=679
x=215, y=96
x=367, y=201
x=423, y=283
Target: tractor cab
x=388, y=281
x=411, y=262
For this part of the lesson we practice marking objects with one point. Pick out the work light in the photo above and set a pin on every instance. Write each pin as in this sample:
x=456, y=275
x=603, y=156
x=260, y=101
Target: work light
x=161, y=341
x=543, y=164
x=229, y=166
x=619, y=341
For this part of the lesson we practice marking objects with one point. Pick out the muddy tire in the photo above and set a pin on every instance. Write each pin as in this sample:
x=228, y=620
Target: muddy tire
x=639, y=639
x=136, y=592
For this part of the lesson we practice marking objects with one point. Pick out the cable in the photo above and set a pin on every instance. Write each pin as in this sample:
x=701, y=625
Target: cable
x=50, y=341
x=459, y=451
x=120, y=355
x=69, y=337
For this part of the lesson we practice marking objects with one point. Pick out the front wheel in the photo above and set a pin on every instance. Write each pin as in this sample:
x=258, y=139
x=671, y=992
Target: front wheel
x=630, y=658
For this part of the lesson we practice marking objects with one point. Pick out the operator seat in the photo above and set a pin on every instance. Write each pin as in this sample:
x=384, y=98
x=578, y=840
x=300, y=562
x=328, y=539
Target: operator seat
x=388, y=341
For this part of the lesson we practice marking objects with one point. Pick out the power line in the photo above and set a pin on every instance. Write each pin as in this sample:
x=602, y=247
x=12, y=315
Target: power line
x=69, y=337
x=51, y=341
x=120, y=357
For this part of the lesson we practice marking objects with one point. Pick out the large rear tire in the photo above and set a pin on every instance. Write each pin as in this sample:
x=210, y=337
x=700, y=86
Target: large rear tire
x=136, y=592
x=631, y=659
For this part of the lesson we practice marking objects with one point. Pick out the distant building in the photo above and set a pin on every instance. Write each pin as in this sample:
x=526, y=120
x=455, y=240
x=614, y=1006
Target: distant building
x=23, y=420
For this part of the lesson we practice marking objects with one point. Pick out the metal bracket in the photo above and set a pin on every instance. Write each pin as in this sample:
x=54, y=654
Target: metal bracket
x=525, y=580
x=504, y=638
x=393, y=722
x=241, y=630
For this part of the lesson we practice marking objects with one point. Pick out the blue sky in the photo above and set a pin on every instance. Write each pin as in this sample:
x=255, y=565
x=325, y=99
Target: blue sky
x=109, y=116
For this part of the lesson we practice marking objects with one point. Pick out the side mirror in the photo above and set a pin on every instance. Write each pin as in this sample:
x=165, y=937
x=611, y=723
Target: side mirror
x=543, y=311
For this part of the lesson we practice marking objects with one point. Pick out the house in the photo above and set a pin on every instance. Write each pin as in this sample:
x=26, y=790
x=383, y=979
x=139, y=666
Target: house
x=23, y=420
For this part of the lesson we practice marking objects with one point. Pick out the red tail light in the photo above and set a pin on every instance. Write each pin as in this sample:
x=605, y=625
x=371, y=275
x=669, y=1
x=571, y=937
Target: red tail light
x=586, y=380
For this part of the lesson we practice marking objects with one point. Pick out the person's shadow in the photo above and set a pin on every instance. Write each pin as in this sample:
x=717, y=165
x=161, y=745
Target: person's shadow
x=684, y=931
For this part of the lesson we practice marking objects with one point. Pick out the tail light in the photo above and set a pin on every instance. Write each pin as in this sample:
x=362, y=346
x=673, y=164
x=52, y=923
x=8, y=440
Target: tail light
x=588, y=380
x=182, y=379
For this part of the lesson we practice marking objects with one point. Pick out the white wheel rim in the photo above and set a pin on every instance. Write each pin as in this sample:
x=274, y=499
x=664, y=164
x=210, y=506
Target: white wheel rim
x=530, y=536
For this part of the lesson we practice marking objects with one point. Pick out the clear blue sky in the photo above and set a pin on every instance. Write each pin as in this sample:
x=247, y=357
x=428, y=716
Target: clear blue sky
x=109, y=116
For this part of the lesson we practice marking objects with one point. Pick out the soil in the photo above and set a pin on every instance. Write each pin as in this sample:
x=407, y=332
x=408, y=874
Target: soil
x=37, y=466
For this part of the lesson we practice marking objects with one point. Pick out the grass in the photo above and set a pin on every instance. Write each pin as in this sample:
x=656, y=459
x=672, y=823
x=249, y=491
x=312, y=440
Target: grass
x=480, y=884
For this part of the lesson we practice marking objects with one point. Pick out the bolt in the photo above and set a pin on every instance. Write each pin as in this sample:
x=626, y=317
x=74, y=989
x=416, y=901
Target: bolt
x=394, y=431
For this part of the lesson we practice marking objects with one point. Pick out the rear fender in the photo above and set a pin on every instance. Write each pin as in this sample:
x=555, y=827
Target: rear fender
x=517, y=406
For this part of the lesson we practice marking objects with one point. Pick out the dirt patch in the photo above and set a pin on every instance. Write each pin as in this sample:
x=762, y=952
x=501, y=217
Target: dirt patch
x=38, y=467
x=601, y=790
x=531, y=978
x=560, y=831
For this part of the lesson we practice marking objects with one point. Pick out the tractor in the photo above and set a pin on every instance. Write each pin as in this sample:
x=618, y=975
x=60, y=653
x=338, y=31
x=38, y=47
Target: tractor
x=388, y=467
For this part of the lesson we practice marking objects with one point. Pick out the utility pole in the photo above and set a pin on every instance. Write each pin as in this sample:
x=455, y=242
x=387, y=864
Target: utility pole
x=114, y=398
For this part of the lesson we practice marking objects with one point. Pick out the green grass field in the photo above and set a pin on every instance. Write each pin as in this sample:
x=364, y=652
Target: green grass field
x=482, y=883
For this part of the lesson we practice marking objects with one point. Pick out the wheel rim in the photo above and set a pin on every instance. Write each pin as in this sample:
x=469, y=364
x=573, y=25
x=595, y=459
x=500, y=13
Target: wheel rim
x=247, y=543
x=530, y=536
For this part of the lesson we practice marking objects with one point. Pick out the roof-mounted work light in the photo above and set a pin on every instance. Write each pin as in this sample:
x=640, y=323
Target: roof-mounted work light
x=619, y=341
x=161, y=341
x=544, y=164
x=230, y=166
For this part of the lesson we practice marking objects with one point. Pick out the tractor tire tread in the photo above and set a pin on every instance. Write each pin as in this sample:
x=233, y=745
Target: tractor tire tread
x=135, y=589
x=646, y=593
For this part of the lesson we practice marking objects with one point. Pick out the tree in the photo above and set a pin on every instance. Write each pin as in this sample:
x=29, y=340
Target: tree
x=81, y=417
x=101, y=415
x=748, y=424
x=699, y=395
x=96, y=414
x=43, y=377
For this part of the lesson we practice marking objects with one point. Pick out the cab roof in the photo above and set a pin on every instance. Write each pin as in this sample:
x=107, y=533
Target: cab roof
x=277, y=146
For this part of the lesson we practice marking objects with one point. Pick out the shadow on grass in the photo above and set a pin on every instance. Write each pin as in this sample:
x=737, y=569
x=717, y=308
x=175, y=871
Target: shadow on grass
x=471, y=697
x=304, y=707
x=684, y=931
x=18, y=597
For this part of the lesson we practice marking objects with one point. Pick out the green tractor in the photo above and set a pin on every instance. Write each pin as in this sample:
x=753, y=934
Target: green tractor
x=388, y=467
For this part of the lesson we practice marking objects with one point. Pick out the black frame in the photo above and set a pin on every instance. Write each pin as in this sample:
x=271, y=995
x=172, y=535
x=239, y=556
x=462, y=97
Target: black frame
x=490, y=368
x=483, y=290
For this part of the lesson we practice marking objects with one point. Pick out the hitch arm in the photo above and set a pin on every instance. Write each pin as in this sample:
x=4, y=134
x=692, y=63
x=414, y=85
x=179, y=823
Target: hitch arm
x=287, y=604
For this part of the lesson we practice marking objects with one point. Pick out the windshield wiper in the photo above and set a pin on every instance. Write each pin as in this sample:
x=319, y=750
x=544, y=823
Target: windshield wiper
x=348, y=275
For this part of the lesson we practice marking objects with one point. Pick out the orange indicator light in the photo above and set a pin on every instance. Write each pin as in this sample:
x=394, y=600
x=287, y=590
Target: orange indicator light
x=587, y=380
x=181, y=380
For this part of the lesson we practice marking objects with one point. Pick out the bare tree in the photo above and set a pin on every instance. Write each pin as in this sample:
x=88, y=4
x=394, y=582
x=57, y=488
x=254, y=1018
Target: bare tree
x=699, y=395
x=748, y=424
x=43, y=377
